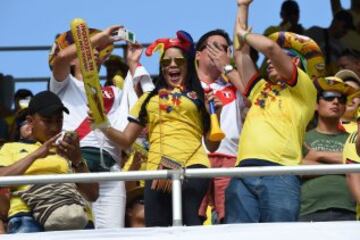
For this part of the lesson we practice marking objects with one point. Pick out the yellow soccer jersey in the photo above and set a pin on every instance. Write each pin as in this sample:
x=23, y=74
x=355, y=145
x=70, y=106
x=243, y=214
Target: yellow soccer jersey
x=275, y=125
x=174, y=131
x=350, y=156
x=349, y=150
x=350, y=127
x=52, y=164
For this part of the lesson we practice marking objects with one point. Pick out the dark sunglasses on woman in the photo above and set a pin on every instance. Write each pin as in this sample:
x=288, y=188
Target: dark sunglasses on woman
x=179, y=61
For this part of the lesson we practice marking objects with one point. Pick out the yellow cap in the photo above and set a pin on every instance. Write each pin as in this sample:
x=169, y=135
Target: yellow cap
x=335, y=84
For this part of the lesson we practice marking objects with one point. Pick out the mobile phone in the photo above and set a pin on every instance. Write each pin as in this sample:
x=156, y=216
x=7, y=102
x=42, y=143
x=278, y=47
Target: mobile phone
x=60, y=138
x=127, y=35
x=64, y=136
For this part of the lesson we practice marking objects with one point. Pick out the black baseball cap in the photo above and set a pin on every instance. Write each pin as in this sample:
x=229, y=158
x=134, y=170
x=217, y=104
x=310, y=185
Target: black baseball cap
x=46, y=103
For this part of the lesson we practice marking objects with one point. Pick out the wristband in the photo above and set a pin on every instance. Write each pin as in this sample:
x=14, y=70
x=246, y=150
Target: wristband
x=244, y=36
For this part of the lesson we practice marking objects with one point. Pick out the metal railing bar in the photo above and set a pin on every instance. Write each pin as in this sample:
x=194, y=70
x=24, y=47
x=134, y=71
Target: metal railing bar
x=84, y=177
x=188, y=173
x=177, y=176
x=273, y=170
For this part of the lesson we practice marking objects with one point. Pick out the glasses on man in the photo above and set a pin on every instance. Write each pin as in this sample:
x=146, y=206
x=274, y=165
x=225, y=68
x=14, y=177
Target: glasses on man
x=330, y=96
x=179, y=61
x=219, y=46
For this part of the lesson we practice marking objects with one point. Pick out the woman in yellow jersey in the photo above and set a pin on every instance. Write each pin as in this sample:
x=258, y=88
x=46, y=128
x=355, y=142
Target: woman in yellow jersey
x=45, y=117
x=177, y=119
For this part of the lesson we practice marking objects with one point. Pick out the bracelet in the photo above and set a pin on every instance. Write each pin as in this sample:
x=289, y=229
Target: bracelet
x=77, y=165
x=244, y=36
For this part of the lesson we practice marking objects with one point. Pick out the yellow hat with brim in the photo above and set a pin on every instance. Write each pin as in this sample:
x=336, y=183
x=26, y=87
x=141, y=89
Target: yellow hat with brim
x=308, y=51
x=346, y=75
x=65, y=39
x=335, y=84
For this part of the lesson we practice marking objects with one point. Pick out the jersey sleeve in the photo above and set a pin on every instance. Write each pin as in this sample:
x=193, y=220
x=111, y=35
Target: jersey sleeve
x=135, y=110
x=6, y=157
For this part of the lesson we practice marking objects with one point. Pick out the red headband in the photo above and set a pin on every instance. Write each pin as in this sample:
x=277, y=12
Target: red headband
x=183, y=41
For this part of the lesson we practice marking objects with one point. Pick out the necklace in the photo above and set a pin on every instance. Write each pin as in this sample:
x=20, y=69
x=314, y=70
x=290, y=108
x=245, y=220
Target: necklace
x=168, y=100
x=270, y=91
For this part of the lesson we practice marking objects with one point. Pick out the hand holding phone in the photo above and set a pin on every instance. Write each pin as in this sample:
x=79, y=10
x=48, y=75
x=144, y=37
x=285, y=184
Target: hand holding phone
x=65, y=136
x=126, y=35
x=60, y=138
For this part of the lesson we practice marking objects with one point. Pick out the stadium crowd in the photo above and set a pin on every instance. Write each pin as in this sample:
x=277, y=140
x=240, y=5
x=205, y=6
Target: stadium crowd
x=300, y=107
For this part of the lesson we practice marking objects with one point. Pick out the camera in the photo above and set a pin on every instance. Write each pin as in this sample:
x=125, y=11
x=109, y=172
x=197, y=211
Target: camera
x=126, y=35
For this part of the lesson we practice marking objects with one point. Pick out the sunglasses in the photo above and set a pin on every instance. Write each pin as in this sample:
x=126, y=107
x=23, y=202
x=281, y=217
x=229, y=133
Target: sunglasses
x=329, y=97
x=179, y=61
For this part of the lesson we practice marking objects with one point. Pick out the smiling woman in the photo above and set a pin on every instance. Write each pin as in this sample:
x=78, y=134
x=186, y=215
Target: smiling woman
x=177, y=121
x=173, y=68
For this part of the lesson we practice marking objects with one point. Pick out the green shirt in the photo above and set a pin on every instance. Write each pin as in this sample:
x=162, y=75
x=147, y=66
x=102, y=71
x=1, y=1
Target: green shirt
x=328, y=191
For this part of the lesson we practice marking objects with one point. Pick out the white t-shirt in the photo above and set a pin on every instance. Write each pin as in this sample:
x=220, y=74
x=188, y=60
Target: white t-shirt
x=230, y=122
x=117, y=104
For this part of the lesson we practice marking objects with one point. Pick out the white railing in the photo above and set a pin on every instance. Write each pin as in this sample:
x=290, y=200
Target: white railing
x=178, y=175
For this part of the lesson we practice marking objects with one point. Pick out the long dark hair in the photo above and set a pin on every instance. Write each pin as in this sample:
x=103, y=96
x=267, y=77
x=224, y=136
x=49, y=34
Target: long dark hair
x=192, y=83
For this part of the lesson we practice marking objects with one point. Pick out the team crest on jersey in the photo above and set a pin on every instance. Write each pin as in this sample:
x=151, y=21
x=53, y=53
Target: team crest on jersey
x=107, y=93
x=23, y=151
x=192, y=95
x=226, y=95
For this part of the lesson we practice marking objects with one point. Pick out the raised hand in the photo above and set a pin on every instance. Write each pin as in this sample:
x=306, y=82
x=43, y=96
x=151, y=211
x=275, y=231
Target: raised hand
x=244, y=2
x=107, y=36
x=133, y=53
x=241, y=29
x=218, y=56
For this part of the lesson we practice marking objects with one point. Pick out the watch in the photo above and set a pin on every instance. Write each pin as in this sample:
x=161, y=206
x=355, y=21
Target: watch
x=227, y=69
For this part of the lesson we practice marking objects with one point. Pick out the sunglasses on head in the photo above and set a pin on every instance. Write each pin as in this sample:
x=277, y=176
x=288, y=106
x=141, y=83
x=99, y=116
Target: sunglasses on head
x=330, y=96
x=179, y=61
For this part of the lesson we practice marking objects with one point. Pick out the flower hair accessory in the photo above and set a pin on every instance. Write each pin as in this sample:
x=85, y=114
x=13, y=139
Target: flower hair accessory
x=183, y=41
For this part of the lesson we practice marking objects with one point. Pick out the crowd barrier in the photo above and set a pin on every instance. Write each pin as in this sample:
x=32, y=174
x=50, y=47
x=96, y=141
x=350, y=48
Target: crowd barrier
x=178, y=175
